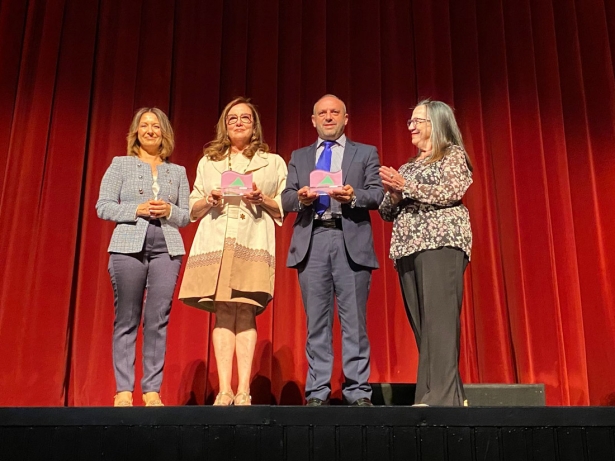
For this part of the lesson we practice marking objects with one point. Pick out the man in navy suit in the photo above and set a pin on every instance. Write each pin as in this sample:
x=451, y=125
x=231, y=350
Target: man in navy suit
x=333, y=250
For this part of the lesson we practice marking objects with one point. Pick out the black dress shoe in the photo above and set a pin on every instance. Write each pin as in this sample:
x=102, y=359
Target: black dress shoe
x=363, y=402
x=314, y=402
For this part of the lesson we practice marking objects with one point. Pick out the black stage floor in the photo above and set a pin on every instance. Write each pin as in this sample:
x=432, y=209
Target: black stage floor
x=312, y=434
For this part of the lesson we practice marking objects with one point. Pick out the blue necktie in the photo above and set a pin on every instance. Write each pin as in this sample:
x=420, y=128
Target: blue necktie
x=324, y=163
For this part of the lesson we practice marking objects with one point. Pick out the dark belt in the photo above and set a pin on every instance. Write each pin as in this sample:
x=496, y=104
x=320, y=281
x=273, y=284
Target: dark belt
x=335, y=223
x=155, y=222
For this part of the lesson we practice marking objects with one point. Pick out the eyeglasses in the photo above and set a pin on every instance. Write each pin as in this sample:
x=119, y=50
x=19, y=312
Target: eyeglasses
x=417, y=121
x=246, y=119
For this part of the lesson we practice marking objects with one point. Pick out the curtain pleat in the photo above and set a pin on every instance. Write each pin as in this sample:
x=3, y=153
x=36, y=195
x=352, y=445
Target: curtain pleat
x=533, y=87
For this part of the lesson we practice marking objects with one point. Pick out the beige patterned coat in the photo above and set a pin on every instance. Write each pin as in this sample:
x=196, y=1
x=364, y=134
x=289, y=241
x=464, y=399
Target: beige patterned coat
x=253, y=267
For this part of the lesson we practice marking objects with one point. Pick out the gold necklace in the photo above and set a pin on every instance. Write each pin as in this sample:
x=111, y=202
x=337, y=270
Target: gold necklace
x=230, y=166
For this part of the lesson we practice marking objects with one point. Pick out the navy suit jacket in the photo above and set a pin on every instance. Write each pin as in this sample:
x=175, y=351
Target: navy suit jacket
x=360, y=166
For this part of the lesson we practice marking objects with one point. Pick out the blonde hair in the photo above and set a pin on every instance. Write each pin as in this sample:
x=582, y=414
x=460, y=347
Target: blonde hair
x=168, y=138
x=445, y=132
x=217, y=149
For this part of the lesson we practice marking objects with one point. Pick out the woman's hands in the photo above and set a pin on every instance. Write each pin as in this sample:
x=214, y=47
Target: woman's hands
x=393, y=182
x=159, y=209
x=255, y=197
x=214, y=199
x=202, y=206
x=154, y=209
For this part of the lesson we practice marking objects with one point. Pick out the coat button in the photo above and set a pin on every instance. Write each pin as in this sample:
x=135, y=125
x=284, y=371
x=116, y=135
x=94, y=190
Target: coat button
x=141, y=191
x=140, y=176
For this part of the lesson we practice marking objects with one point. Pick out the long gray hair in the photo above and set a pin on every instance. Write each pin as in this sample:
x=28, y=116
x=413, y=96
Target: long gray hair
x=444, y=130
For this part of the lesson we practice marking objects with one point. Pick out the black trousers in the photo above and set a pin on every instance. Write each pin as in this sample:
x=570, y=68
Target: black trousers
x=432, y=288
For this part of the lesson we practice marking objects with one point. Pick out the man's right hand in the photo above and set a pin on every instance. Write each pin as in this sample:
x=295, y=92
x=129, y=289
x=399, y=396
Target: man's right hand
x=306, y=198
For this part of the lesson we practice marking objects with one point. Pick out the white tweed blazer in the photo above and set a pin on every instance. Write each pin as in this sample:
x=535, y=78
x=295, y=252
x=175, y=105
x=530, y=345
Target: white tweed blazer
x=128, y=183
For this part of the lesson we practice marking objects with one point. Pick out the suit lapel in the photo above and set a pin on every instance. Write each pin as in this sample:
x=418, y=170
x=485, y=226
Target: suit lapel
x=349, y=152
x=310, y=160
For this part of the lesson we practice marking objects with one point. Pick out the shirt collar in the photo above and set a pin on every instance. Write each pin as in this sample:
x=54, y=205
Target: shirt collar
x=341, y=141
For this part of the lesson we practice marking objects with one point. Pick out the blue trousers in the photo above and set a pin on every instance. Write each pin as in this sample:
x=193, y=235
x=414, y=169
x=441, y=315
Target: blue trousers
x=328, y=272
x=151, y=273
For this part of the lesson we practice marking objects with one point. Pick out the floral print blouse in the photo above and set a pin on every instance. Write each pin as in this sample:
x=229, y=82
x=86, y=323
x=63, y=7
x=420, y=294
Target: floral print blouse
x=430, y=214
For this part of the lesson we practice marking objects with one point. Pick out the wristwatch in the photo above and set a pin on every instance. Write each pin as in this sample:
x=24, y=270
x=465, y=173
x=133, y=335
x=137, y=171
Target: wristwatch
x=353, y=202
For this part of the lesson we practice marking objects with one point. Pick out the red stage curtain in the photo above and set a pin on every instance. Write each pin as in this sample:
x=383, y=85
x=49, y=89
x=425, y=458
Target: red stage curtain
x=534, y=91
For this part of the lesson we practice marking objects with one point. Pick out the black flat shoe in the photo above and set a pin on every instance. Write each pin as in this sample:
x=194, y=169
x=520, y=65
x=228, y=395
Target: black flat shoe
x=314, y=402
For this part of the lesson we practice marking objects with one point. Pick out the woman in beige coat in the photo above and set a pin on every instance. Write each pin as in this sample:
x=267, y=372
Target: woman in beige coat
x=231, y=267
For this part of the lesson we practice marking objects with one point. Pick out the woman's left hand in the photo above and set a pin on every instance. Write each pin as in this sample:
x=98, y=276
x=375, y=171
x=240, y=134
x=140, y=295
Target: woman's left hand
x=159, y=209
x=255, y=197
x=391, y=179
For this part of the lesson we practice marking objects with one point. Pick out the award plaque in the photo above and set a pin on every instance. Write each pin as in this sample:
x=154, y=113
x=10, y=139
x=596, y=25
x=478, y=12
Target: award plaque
x=233, y=183
x=323, y=182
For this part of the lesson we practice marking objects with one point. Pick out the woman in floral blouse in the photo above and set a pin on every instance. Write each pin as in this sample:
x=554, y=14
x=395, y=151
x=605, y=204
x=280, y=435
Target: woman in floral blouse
x=431, y=245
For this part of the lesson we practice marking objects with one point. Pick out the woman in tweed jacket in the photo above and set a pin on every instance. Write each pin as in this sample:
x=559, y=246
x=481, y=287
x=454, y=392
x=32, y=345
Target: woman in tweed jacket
x=431, y=245
x=148, y=199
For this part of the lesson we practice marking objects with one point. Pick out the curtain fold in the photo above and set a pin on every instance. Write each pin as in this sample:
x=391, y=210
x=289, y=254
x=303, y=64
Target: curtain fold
x=533, y=87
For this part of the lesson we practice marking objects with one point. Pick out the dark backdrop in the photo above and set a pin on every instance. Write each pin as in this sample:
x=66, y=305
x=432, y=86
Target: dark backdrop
x=533, y=86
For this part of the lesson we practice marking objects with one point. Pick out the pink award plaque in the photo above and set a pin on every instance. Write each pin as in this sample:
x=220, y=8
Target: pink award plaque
x=233, y=183
x=322, y=182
